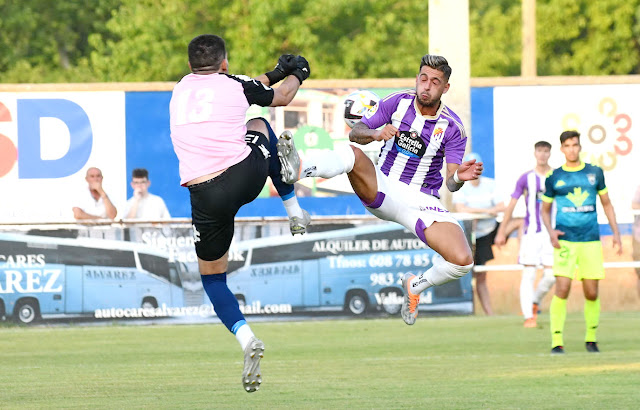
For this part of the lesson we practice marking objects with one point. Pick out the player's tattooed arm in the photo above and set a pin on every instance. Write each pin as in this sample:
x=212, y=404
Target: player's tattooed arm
x=361, y=134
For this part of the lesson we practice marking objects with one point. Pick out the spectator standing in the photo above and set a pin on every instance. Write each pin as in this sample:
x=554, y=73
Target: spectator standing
x=479, y=197
x=94, y=204
x=143, y=204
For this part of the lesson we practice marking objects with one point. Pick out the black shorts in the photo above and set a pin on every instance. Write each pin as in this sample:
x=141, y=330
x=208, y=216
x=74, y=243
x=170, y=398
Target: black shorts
x=215, y=203
x=483, y=252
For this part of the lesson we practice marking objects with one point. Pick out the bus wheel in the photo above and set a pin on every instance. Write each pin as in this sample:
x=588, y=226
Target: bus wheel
x=356, y=302
x=391, y=300
x=149, y=303
x=27, y=311
x=241, y=300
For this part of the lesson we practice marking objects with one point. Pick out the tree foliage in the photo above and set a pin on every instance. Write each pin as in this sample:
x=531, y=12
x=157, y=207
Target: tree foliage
x=146, y=40
x=45, y=41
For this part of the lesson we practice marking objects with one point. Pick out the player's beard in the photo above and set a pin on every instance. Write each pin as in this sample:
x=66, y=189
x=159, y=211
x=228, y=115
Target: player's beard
x=433, y=102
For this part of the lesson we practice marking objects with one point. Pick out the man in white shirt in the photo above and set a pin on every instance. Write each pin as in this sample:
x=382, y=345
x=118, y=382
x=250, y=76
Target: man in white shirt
x=95, y=205
x=143, y=204
x=479, y=196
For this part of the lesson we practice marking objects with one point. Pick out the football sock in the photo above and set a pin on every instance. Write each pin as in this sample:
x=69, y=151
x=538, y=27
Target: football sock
x=591, y=318
x=328, y=164
x=292, y=207
x=558, y=313
x=526, y=291
x=243, y=333
x=544, y=286
x=224, y=302
x=440, y=273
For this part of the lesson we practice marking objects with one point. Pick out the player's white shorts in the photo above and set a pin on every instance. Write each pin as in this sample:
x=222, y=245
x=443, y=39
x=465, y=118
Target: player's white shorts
x=536, y=249
x=410, y=208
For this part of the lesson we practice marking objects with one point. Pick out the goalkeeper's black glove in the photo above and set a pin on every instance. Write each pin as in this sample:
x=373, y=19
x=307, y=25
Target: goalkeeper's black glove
x=302, y=71
x=287, y=63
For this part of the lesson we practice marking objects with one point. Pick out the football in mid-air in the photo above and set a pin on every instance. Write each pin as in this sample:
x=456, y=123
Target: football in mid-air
x=357, y=104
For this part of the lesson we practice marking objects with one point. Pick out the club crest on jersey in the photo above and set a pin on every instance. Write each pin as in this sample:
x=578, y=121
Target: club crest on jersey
x=438, y=132
x=591, y=178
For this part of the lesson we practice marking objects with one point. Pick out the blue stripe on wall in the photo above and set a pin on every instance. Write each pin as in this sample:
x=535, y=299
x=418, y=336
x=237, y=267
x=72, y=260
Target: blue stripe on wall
x=482, y=127
x=149, y=146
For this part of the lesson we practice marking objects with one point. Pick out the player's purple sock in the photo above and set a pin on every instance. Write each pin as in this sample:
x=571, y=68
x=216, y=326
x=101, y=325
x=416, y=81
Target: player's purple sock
x=224, y=303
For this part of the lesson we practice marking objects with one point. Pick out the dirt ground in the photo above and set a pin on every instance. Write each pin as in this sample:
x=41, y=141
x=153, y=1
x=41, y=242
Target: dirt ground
x=618, y=291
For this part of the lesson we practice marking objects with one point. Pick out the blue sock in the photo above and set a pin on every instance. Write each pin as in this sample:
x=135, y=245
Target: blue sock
x=284, y=190
x=224, y=303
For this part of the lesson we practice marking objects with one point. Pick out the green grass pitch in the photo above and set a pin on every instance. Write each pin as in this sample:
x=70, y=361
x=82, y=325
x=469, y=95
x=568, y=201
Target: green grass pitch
x=442, y=362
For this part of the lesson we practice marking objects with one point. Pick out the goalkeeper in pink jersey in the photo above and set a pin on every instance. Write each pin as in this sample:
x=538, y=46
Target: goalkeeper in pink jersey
x=224, y=162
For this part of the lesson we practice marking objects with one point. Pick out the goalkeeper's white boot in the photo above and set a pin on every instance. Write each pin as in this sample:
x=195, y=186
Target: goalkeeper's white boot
x=299, y=225
x=251, y=377
x=289, y=158
x=409, y=311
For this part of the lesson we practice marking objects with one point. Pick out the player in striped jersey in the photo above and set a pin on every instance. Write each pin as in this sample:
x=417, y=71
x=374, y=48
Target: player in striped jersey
x=419, y=132
x=535, y=248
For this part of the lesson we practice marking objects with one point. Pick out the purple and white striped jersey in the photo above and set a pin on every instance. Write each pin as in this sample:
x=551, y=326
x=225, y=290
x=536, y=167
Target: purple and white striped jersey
x=531, y=185
x=417, y=155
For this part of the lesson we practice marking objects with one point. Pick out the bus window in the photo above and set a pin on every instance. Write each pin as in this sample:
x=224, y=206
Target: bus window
x=174, y=276
x=156, y=265
x=80, y=256
x=46, y=251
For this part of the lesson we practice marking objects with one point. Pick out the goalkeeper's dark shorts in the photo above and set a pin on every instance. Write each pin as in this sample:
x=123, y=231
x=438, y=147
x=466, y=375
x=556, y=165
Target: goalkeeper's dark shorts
x=215, y=203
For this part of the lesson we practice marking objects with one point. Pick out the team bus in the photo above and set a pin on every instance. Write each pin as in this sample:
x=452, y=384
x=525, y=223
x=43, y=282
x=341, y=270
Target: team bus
x=355, y=270
x=48, y=277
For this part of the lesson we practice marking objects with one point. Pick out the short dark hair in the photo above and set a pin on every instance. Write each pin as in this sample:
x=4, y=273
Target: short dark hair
x=436, y=62
x=206, y=52
x=140, y=173
x=568, y=135
x=542, y=144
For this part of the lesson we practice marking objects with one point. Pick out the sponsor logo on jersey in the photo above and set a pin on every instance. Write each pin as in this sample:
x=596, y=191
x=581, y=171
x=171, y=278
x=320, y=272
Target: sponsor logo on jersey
x=409, y=145
x=578, y=196
x=431, y=208
x=574, y=209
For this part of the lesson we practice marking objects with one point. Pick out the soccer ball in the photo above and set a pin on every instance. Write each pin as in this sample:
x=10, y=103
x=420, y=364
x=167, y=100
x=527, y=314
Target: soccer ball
x=357, y=104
